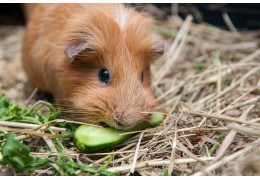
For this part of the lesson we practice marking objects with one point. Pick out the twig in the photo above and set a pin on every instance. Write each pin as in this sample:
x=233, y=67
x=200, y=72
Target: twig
x=229, y=23
x=235, y=101
x=42, y=171
x=223, y=117
x=21, y=137
x=173, y=152
x=250, y=101
x=257, y=69
x=231, y=135
x=225, y=160
x=58, y=169
x=186, y=151
x=172, y=158
x=223, y=67
x=136, y=153
x=24, y=131
x=244, y=130
x=172, y=53
x=153, y=163
x=30, y=126
x=31, y=96
x=50, y=144
x=119, y=150
x=251, y=56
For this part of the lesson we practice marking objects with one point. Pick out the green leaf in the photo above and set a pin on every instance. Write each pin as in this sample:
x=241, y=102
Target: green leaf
x=102, y=170
x=17, y=155
x=66, y=166
x=108, y=173
x=104, y=166
x=13, y=112
x=164, y=172
x=218, y=140
x=88, y=169
x=69, y=167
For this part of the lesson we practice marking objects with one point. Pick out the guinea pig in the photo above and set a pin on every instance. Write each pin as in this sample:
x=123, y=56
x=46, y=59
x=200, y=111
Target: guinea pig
x=94, y=59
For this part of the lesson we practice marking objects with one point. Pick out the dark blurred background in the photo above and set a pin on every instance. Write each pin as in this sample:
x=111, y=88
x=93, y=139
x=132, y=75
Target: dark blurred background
x=243, y=16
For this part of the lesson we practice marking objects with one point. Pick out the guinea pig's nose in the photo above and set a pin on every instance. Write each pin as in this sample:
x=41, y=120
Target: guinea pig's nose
x=120, y=124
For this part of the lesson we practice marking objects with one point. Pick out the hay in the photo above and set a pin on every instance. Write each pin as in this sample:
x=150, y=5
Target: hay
x=208, y=84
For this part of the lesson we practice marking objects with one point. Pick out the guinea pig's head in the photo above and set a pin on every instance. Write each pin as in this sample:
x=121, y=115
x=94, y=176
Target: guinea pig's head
x=106, y=74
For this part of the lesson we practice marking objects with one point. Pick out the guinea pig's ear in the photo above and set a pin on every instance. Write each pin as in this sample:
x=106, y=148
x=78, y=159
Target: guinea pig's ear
x=157, y=50
x=72, y=50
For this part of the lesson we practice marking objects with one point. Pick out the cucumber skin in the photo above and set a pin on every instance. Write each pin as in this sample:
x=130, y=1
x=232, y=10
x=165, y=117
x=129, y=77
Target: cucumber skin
x=91, y=139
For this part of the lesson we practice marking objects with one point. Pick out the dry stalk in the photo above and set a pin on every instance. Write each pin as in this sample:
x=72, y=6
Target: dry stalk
x=229, y=23
x=120, y=150
x=256, y=69
x=250, y=101
x=251, y=57
x=117, y=152
x=173, y=152
x=31, y=96
x=20, y=137
x=153, y=163
x=223, y=117
x=187, y=152
x=244, y=130
x=231, y=135
x=30, y=126
x=136, y=153
x=231, y=105
x=24, y=131
x=50, y=144
x=224, y=68
x=225, y=160
x=172, y=53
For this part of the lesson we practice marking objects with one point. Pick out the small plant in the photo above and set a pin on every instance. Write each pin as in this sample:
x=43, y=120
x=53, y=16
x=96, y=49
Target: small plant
x=17, y=154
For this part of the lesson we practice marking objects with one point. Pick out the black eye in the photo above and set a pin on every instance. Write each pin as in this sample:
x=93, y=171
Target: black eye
x=142, y=77
x=103, y=76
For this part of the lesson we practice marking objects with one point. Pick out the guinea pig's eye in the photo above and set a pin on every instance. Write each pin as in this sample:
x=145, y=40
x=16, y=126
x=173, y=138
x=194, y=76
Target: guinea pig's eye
x=103, y=76
x=142, y=77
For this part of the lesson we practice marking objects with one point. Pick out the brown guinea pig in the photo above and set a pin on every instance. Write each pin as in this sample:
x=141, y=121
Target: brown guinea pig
x=95, y=60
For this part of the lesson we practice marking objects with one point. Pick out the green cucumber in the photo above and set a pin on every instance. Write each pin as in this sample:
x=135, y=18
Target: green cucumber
x=89, y=138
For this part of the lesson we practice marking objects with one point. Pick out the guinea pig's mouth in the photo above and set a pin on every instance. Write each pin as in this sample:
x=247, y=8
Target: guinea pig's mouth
x=115, y=125
x=111, y=124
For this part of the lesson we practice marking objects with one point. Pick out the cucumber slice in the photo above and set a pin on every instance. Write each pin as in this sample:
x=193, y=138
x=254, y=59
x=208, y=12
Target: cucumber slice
x=92, y=139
